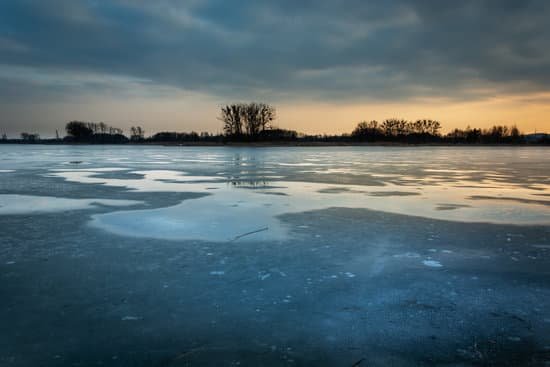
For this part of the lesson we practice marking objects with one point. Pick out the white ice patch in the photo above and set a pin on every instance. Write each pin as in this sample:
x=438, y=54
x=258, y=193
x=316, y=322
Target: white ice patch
x=263, y=275
x=100, y=169
x=26, y=204
x=232, y=213
x=153, y=180
x=432, y=263
x=234, y=210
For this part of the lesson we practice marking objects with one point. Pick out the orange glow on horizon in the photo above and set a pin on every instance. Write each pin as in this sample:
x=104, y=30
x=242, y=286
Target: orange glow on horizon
x=529, y=112
x=199, y=112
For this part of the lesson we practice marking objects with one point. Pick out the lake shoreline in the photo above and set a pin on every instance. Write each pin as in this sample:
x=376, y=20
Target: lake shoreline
x=287, y=144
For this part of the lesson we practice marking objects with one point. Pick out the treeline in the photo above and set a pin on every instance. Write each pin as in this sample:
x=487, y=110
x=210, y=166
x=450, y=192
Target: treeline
x=494, y=135
x=93, y=132
x=253, y=122
x=428, y=131
x=398, y=130
x=191, y=137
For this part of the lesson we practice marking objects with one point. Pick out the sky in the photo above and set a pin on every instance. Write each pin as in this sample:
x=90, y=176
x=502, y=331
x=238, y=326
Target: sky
x=324, y=64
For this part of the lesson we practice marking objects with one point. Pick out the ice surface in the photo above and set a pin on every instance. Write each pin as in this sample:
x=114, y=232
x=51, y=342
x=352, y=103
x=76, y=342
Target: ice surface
x=144, y=255
x=25, y=204
x=244, y=201
x=432, y=263
x=230, y=211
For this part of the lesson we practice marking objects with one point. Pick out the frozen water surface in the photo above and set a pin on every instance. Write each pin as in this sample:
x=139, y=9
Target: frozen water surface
x=176, y=256
x=25, y=204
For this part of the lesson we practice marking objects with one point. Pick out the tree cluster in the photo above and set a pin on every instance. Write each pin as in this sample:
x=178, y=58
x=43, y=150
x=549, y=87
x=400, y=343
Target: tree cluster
x=494, y=135
x=93, y=132
x=246, y=119
x=29, y=137
x=177, y=137
x=397, y=130
x=137, y=134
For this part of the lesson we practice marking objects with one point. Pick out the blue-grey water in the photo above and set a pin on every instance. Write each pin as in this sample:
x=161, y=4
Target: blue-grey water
x=225, y=256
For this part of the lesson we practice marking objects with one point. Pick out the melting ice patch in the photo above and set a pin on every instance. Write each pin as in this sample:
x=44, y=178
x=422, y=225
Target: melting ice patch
x=225, y=217
x=432, y=263
x=153, y=180
x=236, y=212
x=26, y=204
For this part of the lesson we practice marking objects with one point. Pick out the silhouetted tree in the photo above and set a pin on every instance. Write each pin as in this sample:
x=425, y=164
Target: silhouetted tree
x=258, y=117
x=367, y=131
x=79, y=130
x=494, y=135
x=92, y=132
x=515, y=135
x=419, y=131
x=29, y=137
x=250, y=119
x=136, y=133
x=268, y=114
x=275, y=134
x=423, y=127
x=231, y=116
x=394, y=127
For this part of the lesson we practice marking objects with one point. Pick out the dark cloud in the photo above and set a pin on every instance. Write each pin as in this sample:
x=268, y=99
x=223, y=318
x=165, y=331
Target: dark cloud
x=324, y=49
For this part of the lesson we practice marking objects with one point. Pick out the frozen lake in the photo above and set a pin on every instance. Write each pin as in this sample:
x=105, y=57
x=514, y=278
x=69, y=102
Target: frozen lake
x=336, y=256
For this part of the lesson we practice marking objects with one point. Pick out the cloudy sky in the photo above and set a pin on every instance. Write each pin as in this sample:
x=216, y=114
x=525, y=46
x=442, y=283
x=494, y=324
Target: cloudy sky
x=325, y=64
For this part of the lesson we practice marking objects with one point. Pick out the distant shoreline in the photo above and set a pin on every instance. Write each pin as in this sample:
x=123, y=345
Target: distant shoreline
x=250, y=125
x=284, y=144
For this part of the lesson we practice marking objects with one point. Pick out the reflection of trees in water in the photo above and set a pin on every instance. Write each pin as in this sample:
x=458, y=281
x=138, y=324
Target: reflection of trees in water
x=251, y=164
x=249, y=183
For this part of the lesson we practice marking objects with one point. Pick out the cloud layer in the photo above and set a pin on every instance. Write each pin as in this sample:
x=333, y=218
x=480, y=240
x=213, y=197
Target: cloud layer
x=324, y=49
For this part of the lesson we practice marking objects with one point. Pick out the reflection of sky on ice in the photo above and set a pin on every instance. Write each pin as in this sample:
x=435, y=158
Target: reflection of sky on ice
x=231, y=209
x=26, y=204
x=248, y=188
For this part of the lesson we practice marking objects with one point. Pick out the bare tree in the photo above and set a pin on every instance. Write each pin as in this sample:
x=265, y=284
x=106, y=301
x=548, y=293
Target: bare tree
x=394, y=127
x=252, y=118
x=136, y=133
x=267, y=116
x=29, y=137
x=231, y=116
x=367, y=130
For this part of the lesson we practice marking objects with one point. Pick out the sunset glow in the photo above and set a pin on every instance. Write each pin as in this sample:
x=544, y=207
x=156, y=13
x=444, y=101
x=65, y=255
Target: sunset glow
x=169, y=65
